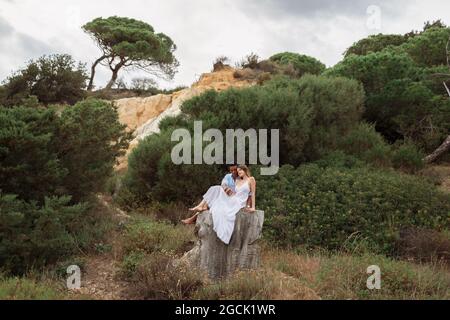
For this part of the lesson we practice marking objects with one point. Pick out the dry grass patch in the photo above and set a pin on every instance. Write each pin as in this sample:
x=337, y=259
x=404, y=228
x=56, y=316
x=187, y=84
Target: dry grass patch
x=262, y=284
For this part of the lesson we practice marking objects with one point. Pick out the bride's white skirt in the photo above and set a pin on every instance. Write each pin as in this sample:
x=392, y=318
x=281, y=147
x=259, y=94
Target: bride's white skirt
x=224, y=209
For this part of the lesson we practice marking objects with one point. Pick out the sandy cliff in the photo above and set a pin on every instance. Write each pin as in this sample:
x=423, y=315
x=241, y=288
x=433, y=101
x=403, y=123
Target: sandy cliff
x=142, y=115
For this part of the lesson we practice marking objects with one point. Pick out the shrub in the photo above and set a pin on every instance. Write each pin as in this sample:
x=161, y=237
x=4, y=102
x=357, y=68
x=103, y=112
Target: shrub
x=311, y=113
x=89, y=141
x=424, y=245
x=130, y=263
x=144, y=235
x=375, y=43
x=302, y=64
x=43, y=154
x=368, y=145
x=339, y=159
x=52, y=79
x=324, y=207
x=33, y=236
x=29, y=164
x=408, y=158
x=157, y=277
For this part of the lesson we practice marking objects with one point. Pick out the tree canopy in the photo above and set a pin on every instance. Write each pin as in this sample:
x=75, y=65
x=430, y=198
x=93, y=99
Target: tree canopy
x=302, y=63
x=51, y=79
x=127, y=42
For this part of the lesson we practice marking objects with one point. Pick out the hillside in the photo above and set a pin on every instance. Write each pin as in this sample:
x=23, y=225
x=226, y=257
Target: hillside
x=142, y=115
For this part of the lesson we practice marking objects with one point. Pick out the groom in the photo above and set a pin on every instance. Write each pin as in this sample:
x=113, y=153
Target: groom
x=229, y=183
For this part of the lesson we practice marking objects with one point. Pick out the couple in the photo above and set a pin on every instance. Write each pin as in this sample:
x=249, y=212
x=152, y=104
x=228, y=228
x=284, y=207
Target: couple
x=238, y=190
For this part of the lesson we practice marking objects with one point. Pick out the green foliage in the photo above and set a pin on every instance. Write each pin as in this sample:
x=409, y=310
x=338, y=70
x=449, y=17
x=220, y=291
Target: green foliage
x=128, y=42
x=51, y=79
x=325, y=207
x=375, y=69
x=344, y=277
x=428, y=48
x=43, y=154
x=408, y=158
x=29, y=289
x=312, y=113
x=405, y=100
x=90, y=139
x=368, y=145
x=29, y=164
x=339, y=159
x=302, y=64
x=32, y=236
x=375, y=43
x=147, y=236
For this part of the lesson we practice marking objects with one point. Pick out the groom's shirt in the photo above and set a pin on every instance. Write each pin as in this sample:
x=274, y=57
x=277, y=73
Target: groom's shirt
x=229, y=182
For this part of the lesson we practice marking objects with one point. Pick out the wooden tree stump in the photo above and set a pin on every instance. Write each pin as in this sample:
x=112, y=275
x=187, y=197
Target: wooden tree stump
x=219, y=260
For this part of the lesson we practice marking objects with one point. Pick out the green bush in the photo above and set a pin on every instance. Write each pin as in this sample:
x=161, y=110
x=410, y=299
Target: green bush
x=368, y=145
x=324, y=207
x=402, y=78
x=339, y=159
x=312, y=113
x=29, y=164
x=44, y=154
x=89, y=140
x=147, y=236
x=51, y=79
x=375, y=43
x=302, y=64
x=33, y=236
x=408, y=158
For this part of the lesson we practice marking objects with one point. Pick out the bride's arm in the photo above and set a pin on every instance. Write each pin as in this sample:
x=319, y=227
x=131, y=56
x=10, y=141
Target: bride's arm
x=253, y=191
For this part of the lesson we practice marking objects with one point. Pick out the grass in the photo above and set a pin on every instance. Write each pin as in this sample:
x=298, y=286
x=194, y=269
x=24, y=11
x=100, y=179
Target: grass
x=146, y=235
x=30, y=289
x=344, y=276
x=151, y=247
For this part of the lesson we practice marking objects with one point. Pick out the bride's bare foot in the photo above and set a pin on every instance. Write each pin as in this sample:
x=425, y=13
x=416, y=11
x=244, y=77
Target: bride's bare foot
x=190, y=220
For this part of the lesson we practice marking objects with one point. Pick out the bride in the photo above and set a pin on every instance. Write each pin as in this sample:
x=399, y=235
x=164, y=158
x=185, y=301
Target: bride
x=224, y=207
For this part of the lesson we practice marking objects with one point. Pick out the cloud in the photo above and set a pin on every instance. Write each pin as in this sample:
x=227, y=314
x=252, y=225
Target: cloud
x=313, y=9
x=204, y=29
x=17, y=48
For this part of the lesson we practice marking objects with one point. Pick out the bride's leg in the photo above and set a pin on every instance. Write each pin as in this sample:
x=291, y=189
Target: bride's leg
x=191, y=220
x=199, y=207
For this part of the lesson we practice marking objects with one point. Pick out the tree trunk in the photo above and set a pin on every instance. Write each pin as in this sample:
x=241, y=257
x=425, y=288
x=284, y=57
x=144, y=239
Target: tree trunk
x=94, y=65
x=219, y=260
x=113, y=79
x=445, y=146
x=115, y=72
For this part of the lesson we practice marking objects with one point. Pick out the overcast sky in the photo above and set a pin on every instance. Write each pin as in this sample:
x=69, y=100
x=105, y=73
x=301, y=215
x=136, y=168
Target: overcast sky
x=205, y=29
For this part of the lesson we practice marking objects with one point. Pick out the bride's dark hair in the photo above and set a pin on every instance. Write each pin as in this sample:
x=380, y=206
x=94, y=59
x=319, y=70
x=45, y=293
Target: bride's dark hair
x=246, y=169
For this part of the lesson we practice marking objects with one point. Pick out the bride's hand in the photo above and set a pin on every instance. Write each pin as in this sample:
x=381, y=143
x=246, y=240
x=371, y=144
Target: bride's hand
x=250, y=210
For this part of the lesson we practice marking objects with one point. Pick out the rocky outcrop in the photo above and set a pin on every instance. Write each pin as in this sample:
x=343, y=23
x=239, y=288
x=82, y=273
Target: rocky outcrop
x=143, y=115
x=134, y=112
x=219, y=260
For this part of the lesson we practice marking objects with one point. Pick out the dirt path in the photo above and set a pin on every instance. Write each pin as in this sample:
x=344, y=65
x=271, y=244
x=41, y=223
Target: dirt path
x=100, y=279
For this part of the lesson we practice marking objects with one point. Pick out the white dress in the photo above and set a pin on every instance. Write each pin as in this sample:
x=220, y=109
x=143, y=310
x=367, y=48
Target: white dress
x=224, y=208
